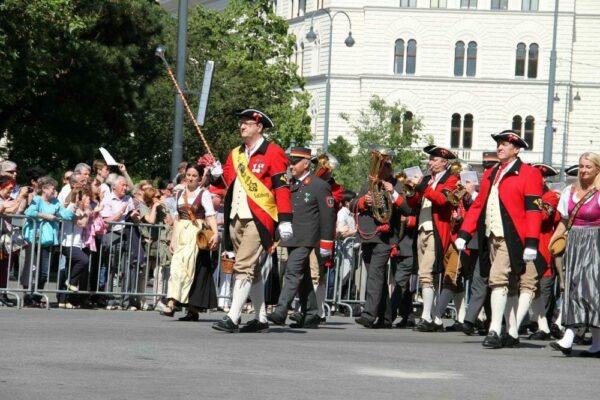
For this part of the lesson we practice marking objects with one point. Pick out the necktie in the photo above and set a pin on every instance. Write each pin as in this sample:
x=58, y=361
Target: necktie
x=499, y=173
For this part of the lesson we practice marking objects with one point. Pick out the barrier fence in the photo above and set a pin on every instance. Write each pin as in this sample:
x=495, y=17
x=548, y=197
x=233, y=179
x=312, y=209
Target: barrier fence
x=117, y=268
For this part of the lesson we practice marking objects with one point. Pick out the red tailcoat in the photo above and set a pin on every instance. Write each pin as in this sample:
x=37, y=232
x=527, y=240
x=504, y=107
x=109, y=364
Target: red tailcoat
x=269, y=163
x=520, y=192
x=441, y=211
x=549, y=222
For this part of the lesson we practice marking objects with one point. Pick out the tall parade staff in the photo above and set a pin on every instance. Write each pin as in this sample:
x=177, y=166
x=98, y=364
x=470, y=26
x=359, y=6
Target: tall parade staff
x=544, y=294
x=257, y=200
x=434, y=226
x=378, y=228
x=507, y=214
x=314, y=228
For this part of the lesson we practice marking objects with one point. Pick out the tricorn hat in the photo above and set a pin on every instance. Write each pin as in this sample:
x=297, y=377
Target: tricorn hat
x=511, y=137
x=258, y=116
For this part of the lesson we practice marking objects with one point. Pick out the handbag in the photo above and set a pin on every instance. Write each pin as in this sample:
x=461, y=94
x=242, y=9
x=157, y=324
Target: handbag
x=10, y=243
x=559, y=244
x=205, y=233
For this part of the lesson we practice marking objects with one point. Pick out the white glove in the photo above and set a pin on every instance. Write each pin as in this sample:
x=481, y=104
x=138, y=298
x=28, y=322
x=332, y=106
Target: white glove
x=529, y=254
x=460, y=244
x=216, y=170
x=285, y=230
x=325, y=253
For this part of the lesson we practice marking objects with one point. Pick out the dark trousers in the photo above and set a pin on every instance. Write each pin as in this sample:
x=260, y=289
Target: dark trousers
x=401, y=301
x=479, y=295
x=77, y=266
x=377, y=304
x=297, y=280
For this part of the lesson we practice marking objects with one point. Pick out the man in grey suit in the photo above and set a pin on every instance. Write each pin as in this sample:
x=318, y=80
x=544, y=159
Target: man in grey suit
x=314, y=227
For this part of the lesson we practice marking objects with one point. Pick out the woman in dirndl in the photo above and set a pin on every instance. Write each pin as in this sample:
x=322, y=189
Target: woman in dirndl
x=190, y=281
x=581, y=303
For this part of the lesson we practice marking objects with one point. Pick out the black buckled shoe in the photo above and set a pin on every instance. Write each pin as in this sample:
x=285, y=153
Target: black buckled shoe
x=226, y=325
x=364, y=321
x=255, y=326
x=429, y=326
x=556, y=346
x=509, y=341
x=556, y=332
x=492, y=341
x=190, y=316
x=296, y=316
x=309, y=322
x=468, y=328
x=276, y=318
x=540, y=335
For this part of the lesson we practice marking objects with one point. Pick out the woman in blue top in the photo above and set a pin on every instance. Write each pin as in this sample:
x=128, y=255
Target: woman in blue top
x=47, y=210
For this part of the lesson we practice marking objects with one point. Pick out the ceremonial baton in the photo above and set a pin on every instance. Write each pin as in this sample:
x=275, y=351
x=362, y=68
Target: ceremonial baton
x=160, y=52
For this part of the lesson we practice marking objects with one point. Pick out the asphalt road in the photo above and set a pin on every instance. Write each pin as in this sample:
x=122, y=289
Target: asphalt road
x=82, y=354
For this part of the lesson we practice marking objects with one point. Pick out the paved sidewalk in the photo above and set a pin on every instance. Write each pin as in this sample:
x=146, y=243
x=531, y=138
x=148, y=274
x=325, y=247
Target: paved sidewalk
x=81, y=354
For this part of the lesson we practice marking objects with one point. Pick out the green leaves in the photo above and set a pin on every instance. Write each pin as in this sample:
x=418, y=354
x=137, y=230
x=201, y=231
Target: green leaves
x=392, y=126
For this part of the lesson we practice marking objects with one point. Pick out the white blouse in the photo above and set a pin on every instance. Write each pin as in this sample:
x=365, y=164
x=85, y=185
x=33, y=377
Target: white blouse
x=206, y=201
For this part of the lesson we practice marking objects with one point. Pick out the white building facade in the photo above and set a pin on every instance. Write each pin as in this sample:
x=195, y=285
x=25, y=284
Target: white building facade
x=468, y=68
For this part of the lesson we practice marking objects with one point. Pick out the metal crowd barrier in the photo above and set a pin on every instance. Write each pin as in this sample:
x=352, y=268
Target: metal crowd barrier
x=117, y=273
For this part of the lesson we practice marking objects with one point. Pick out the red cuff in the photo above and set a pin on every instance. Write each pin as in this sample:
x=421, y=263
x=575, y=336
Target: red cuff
x=326, y=245
x=411, y=221
x=399, y=201
x=361, y=204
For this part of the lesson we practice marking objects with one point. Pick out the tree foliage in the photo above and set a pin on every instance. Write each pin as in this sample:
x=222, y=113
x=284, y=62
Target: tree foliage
x=78, y=74
x=381, y=124
x=72, y=73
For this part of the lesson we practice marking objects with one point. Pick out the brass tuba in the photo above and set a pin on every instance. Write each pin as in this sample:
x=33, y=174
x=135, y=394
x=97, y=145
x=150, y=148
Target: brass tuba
x=455, y=196
x=325, y=163
x=381, y=207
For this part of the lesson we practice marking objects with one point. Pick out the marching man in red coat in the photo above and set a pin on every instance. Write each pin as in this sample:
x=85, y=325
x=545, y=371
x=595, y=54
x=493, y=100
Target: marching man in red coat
x=434, y=226
x=544, y=294
x=507, y=214
x=258, y=198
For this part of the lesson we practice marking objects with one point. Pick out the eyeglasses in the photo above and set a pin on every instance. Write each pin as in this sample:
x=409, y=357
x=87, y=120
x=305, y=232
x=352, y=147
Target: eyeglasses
x=247, y=123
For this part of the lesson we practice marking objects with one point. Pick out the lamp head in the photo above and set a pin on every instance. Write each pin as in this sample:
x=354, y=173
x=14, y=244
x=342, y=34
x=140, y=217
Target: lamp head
x=311, y=36
x=349, y=40
x=577, y=96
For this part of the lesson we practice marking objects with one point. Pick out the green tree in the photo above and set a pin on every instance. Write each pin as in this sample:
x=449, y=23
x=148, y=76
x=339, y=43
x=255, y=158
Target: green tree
x=72, y=74
x=381, y=124
x=251, y=48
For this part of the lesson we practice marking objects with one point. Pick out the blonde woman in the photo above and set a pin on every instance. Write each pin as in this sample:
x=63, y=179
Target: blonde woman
x=581, y=303
x=190, y=281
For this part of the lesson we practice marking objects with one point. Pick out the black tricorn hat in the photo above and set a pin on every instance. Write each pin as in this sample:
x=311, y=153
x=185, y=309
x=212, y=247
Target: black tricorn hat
x=437, y=151
x=258, y=116
x=545, y=169
x=511, y=137
x=573, y=170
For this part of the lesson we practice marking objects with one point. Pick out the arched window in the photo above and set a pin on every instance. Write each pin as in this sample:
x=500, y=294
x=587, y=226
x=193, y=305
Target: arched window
x=499, y=4
x=533, y=60
x=405, y=54
x=529, y=130
x=521, y=56
x=407, y=122
x=459, y=58
x=292, y=8
x=294, y=56
x=455, y=131
x=301, y=8
x=517, y=123
x=530, y=5
x=527, y=57
x=411, y=56
x=468, y=131
x=399, y=57
x=472, y=59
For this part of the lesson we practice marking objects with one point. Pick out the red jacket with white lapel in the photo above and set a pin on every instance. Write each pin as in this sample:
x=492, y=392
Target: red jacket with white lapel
x=520, y=191
x=441, y=211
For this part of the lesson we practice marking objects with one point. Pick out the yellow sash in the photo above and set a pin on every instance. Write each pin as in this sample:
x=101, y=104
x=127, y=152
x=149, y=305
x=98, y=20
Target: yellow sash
x=253, y=187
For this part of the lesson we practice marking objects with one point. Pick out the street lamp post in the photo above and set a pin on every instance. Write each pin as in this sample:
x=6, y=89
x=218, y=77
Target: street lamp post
x=349, y=42
x=568, y=108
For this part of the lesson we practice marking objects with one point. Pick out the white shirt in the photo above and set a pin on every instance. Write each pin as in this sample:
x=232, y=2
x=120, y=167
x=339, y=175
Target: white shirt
x=111, y=205
x=206, y=201
x=239, y=203
x=72, y=234
x=64, y=192
x=345, y=218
